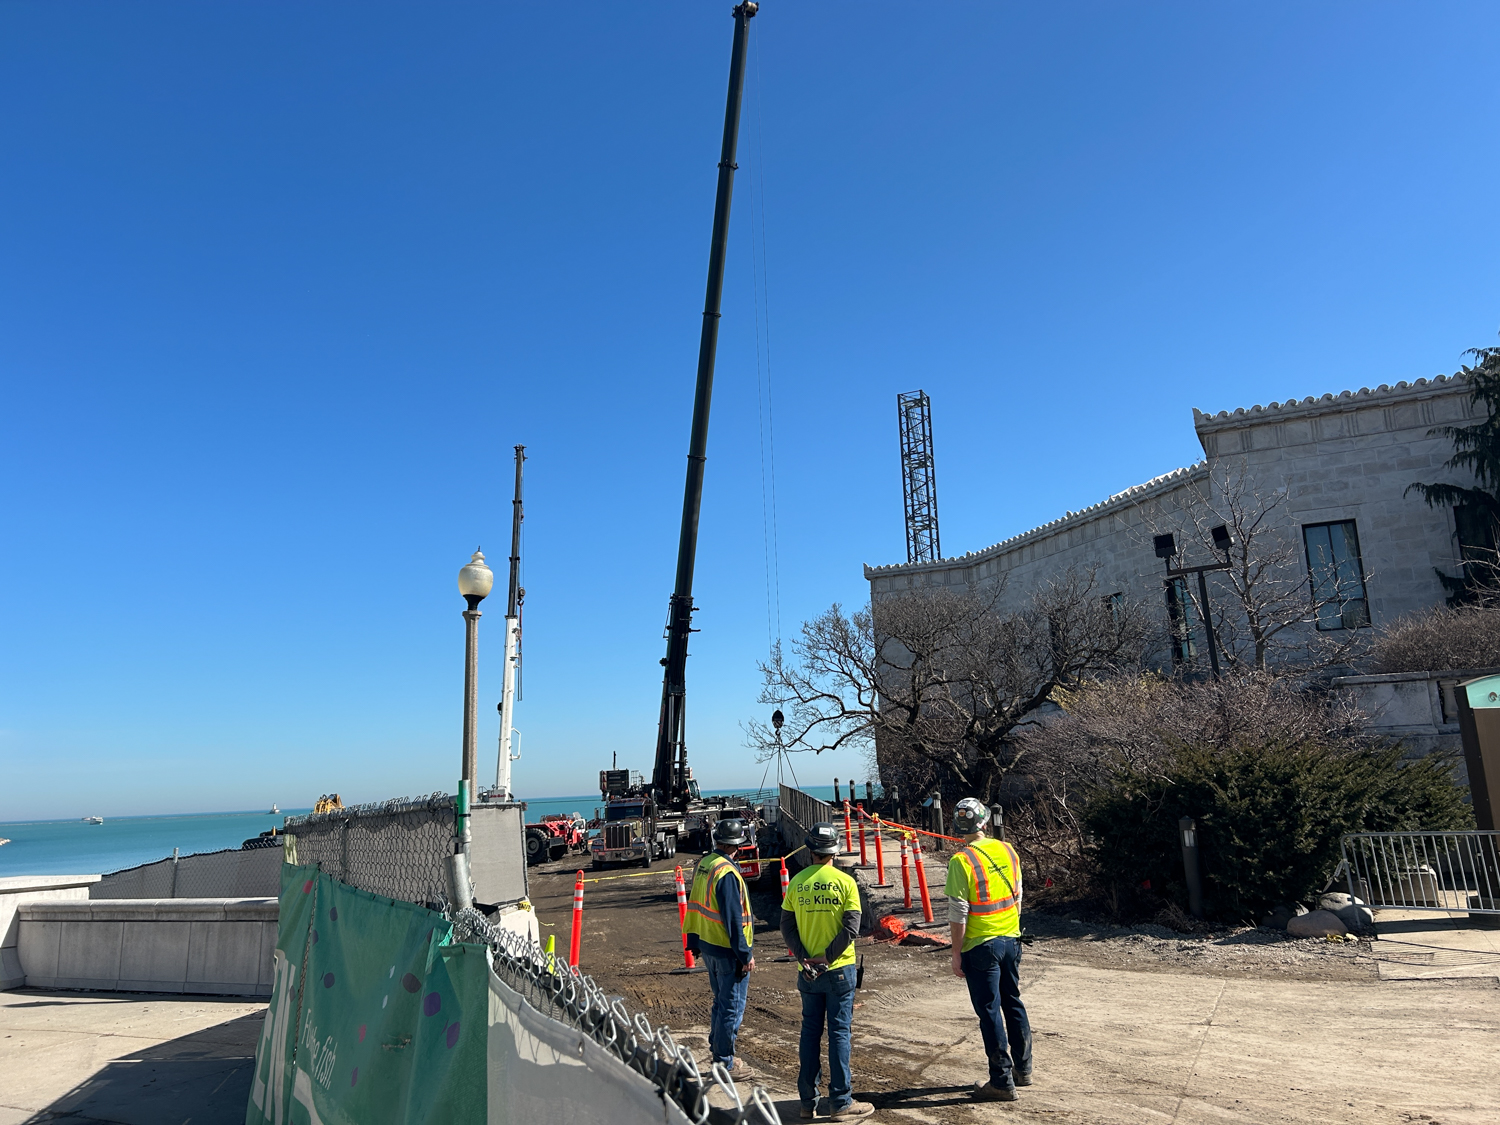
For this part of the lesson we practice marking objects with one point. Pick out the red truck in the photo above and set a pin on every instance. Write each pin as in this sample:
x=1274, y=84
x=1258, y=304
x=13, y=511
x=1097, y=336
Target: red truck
x=554, y=836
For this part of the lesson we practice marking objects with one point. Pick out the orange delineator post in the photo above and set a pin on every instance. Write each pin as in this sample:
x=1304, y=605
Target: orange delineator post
x=848, y=831
x=905, y=873
x=785, y=882
x=921, y=882
x=687, y=954
x=879, y=858
x=864, y=858
x=577, y=922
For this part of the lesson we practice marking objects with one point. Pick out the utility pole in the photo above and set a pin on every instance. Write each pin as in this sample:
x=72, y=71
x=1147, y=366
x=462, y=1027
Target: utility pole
x=512, y=674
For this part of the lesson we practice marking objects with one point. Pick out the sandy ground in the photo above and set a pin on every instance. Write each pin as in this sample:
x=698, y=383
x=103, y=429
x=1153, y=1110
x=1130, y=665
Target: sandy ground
x=1130, y=1025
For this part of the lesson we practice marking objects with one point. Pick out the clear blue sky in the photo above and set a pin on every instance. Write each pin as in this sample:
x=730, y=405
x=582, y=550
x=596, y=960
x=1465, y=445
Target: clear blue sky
x=282, y=283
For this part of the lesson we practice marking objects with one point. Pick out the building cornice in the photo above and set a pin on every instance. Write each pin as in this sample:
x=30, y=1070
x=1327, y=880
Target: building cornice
x=1132, y=496
x=1364, y=398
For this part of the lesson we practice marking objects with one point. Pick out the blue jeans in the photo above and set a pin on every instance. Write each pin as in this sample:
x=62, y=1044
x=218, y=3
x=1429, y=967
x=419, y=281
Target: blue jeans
x=993, y=974
x=728, y=1006
x=828, y=999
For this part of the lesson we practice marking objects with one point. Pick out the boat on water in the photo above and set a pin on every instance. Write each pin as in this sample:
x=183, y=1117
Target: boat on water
x=93, y=820
x=3, y=841
x=275, y=809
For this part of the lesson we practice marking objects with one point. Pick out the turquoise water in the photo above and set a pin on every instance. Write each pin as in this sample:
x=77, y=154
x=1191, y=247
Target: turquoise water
x=70, y=847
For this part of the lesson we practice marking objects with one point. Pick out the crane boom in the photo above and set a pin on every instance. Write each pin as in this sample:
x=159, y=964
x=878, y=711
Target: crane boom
x=669, y=778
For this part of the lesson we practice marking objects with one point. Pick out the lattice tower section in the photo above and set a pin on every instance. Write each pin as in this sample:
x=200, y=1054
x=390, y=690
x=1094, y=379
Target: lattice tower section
x=918, y=477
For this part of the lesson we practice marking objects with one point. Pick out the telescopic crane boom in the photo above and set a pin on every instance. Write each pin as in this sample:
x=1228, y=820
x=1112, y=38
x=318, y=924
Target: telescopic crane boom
x=669, y=778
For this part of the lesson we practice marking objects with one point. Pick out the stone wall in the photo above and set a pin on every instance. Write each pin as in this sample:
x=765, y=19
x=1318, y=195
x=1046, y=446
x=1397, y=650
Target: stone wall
x=180, y=945
x=18, y=889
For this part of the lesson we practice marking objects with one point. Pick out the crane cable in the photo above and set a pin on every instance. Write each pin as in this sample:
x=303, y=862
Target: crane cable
x=765, y=412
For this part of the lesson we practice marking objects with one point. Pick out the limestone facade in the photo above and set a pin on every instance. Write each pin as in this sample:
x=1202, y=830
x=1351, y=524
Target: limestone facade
x=1342, y=457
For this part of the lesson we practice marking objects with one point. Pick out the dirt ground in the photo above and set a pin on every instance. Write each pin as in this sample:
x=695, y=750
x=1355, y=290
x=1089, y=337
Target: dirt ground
x=1130, y=1024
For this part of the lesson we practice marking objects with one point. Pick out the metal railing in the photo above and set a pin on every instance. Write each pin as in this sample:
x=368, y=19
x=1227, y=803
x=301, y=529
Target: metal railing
x=1424, y=870
x=805, y=810
x=567, y=996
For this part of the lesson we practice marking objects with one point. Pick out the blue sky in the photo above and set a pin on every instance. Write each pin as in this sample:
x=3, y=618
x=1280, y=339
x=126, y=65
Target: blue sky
x=282, y=284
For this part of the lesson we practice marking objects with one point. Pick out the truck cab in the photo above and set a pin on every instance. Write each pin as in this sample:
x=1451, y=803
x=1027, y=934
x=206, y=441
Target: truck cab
x=633, y=831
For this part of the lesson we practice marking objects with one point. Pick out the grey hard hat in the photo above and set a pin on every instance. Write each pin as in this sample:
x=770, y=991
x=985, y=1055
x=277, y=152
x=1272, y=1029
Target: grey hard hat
x=822, y=839
x=730, y=833
x=970, y=815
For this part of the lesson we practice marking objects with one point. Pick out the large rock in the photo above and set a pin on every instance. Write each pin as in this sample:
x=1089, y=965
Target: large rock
x=1318, y=923
x=1278, y=918
x=1350, y=910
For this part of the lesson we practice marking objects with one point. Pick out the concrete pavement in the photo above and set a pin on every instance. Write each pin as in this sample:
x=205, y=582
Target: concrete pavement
x=128, y=1058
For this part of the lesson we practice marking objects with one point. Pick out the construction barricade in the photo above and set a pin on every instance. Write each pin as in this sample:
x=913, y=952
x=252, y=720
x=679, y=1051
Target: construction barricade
x=379, y=1013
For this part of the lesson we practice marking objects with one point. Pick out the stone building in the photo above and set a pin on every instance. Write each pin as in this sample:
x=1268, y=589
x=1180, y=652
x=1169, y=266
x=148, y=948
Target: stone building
x=1340, y=465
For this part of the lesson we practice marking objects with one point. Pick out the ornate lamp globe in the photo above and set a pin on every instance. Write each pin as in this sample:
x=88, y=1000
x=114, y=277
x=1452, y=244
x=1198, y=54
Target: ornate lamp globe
x=475, y=580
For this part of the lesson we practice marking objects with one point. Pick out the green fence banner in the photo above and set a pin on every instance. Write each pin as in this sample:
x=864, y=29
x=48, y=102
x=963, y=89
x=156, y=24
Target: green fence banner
x=376, y=1014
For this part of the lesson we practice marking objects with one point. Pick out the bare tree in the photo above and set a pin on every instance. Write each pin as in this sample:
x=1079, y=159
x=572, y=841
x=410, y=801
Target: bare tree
x=939, y=680
x=1272, y=599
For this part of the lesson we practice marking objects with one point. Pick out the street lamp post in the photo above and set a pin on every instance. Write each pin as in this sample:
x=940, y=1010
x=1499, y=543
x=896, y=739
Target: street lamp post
x=475, y=581
x=1166, y=548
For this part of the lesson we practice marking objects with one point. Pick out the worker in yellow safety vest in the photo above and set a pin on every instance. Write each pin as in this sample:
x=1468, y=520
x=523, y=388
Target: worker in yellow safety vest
x=820, y=918
x=984, y=919
x=720, y=928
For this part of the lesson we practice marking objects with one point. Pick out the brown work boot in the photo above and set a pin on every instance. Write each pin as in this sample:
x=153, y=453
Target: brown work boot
x=989, y=1092
x=853, y=1111
x=742, y=1069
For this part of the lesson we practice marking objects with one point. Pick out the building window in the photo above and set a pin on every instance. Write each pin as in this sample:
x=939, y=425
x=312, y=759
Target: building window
x=1476, y=544
x=1337, y=575
x=1180, y=620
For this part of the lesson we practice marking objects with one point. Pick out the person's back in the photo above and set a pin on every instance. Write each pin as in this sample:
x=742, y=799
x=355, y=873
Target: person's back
x=819, y=922
x=984, y=916
x=718, y=926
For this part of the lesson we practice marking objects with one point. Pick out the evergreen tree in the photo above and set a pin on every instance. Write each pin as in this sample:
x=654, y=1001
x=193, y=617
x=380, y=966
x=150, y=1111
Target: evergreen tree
x=1476, y=509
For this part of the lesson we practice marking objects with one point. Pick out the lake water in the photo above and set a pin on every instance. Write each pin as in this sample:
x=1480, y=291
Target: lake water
x=71, y=847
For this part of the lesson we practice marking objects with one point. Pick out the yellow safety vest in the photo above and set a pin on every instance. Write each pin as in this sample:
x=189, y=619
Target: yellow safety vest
x=703, y=916
x=820, y=895
x=987, y=875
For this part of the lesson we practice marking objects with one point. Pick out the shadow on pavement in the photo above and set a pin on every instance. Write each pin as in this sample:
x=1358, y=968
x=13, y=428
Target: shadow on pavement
x=203, y=1078
x=920, y=1097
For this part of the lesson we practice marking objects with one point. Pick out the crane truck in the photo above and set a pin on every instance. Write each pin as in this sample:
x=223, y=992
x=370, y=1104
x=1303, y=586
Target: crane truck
x=647, y=820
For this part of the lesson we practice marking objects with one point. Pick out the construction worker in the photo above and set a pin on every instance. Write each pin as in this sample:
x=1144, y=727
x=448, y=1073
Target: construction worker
x=719, y=928
x=819, y=922
x=984, y=919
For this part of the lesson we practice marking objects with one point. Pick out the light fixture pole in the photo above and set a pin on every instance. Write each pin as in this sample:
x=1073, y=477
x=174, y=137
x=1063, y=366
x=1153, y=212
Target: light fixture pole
x=1166, y=548
x=475, y=581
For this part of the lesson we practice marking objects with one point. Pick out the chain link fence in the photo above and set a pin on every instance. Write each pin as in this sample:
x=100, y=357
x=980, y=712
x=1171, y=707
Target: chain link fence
x=570, y=998
x=248, y=872
x=397, y=848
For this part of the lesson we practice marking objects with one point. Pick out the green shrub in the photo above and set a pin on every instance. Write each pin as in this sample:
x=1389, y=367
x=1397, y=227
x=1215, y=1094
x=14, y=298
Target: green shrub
x=1269, y=817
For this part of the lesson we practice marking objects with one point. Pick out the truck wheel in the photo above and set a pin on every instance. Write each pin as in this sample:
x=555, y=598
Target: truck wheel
x=536, y=847
x=558, y=850
x=671, y=846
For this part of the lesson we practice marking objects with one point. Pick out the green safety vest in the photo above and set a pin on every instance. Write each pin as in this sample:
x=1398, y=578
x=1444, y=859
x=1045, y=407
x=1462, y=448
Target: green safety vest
x=987, y=875
x=703, y=917
x=819, y=896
